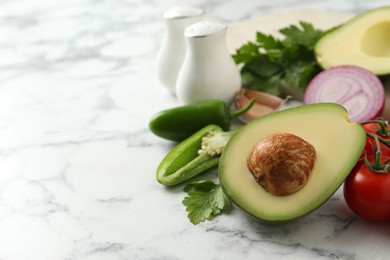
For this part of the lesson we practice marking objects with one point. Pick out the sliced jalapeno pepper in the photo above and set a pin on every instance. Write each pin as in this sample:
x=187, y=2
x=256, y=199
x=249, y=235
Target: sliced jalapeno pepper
x=194, y=155
x=178, y=123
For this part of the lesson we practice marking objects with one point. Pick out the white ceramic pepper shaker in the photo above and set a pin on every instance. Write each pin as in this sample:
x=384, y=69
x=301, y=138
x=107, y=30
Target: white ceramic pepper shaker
x=208, y=70
x=172, y=51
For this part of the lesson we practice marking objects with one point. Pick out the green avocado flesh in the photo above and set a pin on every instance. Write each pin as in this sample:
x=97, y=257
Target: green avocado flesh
x=338, y=144
x=363, y=41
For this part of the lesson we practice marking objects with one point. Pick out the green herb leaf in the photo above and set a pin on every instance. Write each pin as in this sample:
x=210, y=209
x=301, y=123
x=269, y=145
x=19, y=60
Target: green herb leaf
x=246, y=53
x=264, y=67
x=269, y=61
x=307, y=36
x=253, y=81
x=268, y=42
x=204, y=200
x=300, y=75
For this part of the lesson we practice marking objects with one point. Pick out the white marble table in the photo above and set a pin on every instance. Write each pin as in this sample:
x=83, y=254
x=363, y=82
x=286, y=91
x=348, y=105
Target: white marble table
x=77, y=162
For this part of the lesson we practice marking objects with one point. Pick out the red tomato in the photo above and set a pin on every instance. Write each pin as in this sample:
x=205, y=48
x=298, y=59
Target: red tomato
x=371, y=128
x=367, y=193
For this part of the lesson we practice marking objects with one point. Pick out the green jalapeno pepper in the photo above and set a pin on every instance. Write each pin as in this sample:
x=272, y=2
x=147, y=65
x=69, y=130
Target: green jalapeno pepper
x=178, y=123
x=196, y=154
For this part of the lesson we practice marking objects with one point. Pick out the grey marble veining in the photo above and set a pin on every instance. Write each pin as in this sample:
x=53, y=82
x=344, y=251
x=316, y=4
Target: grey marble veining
x=77, y=162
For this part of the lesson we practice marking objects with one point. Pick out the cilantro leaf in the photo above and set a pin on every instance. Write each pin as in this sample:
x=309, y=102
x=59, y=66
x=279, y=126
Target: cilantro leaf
x=301, y=75
x=307, y=35
x=270, y=85
x=267, y=62
x=264, y=67
x=268, y=42
x=246, y=53
x=204, y=200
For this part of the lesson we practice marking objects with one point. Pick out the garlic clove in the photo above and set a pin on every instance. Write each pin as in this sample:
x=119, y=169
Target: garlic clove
x=254, y=112
x=265, y=104
x=264, y=98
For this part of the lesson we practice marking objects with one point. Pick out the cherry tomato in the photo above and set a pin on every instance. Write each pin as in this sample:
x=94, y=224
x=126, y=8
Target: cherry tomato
x=371, y=128
x=367, y=193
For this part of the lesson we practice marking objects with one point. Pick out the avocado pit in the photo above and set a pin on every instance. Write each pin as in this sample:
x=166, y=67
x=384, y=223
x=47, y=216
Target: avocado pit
x=281, y=163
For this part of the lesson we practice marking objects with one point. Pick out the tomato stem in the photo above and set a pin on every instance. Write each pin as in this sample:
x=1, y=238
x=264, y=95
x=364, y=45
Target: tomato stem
x=380, y=139
x=381, y=126
x=377, y=165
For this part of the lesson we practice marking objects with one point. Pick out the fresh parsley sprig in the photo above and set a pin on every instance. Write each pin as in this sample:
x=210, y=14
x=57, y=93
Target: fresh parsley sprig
x=269, y=62
x=204, y=200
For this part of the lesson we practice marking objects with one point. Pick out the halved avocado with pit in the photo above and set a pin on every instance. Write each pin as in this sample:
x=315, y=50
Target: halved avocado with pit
x=363, y=41
x=338, y=144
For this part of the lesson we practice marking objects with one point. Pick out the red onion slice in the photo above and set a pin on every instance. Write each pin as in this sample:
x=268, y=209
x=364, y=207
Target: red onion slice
x=357, y=89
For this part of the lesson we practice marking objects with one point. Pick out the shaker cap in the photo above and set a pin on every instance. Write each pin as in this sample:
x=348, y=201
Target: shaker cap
x=180, y=12
x=203, y=29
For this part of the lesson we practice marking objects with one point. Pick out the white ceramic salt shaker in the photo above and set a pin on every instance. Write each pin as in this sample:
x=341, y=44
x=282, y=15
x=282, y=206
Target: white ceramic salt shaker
x=172, y=51
x=208, y=70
